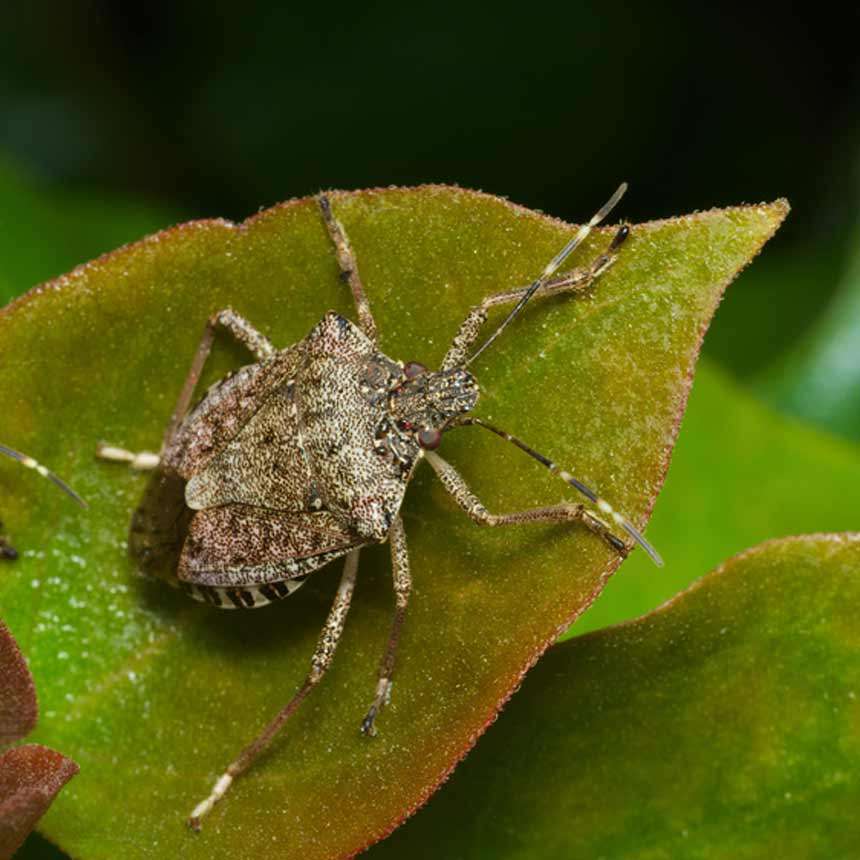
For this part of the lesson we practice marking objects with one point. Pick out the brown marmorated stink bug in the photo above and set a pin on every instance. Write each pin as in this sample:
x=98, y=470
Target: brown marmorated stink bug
x=305, y=456
x=7, y=551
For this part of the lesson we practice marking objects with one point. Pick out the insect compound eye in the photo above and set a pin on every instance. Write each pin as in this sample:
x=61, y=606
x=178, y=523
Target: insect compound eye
x=413, y=369
x=429, y=438
x=375, y=375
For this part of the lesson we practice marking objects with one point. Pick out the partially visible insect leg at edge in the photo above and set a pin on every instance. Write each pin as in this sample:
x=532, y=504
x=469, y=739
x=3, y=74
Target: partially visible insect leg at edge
x=348, y=267
x=402, y=590
x=601, y=504
x=7, y=551
x=574, y=282
x=320, y=662
x=474, y=508
x=261, y=347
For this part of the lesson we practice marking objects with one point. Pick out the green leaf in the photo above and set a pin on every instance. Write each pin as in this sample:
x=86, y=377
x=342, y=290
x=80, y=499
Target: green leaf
x=154, y=695
x=726, y=724
x=741, y=473
x=43, y=231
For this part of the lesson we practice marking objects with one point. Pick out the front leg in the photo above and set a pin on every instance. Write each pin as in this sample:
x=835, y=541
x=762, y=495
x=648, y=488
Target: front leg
x=243, y=331
x=573, y=282
x=564, y=513
x=348, y=267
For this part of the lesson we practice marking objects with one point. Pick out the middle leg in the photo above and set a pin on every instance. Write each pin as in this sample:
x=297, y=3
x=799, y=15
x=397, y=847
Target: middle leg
x=454, y=483
x=402, y=590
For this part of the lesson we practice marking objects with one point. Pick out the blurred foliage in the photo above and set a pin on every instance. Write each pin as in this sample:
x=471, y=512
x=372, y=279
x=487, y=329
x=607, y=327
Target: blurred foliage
x=819, y=379
x=30, y=775
x=45, y=232
x=222, y=108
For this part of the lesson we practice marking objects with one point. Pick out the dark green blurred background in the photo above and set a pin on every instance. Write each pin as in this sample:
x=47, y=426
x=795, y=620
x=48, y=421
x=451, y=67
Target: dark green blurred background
x=194, y=110
x=119, y=119
x=188, y=110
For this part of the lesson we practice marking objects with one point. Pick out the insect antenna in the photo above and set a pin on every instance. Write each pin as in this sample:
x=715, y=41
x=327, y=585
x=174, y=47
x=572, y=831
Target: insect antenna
x=30, y=463
x=554, y=264
x=602, y=505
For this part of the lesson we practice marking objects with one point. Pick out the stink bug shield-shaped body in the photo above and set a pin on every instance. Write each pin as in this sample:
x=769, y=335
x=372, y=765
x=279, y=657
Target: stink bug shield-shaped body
x=305, y=456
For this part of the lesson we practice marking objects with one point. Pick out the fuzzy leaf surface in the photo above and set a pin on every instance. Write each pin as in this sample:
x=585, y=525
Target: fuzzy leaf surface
x=741, y=474
x=18, y=706
x=152, y=694
x=30, y=777
x=726, y=724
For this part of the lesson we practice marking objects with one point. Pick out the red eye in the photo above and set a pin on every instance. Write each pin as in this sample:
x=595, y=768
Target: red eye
x=429, y=438
x=413, y=369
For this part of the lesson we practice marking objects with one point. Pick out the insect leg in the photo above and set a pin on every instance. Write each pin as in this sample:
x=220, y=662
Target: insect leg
x=564, y=513
x=245, y=333
x=348, y=267
x=143, y=461
x=573, y=282
x=602, y=505
x=402, y=589
x=321, y=660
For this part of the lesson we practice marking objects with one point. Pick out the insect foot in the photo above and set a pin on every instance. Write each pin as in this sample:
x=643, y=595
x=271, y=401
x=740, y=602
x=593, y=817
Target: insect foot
x=382, y=698
x=141, y=460
x=7, y=551
x=224, y=782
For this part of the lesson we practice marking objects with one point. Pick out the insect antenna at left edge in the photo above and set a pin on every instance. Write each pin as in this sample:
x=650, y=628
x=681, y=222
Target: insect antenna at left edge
x=30, y=463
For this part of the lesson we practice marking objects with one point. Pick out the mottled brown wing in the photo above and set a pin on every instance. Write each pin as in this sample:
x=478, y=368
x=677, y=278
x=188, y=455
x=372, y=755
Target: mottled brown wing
x=339, y=424
x=225, y=410
x=264, y=465
x=241, y=545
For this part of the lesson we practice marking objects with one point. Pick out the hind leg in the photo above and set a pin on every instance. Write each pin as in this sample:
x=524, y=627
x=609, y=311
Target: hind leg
x=320, y=663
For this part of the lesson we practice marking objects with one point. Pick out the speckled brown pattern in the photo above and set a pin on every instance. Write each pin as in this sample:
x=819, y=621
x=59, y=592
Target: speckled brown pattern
x=305, y=456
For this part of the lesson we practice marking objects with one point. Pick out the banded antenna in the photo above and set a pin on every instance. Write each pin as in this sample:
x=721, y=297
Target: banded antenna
x=601, y=504
x=30, y=463
x=553, y=266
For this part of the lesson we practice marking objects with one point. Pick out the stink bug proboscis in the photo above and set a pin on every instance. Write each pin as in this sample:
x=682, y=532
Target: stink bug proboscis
x=305, y=455
x=7, y=551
